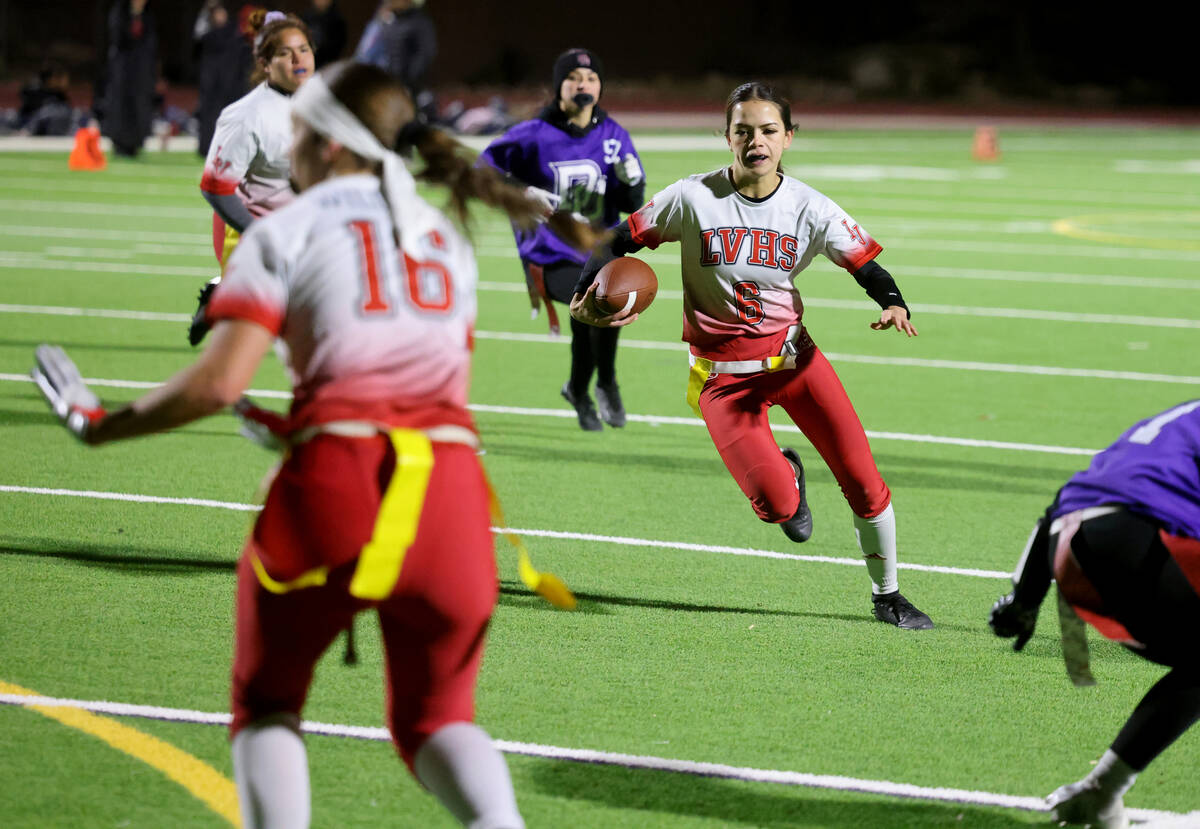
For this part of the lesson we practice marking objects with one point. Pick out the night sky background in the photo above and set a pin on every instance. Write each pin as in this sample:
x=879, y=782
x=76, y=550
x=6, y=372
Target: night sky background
x=927, y=51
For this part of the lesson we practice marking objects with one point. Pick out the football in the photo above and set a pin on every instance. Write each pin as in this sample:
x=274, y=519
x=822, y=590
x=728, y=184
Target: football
x=623, y=283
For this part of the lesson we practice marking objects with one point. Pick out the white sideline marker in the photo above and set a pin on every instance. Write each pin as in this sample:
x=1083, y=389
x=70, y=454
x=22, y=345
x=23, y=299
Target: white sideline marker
x=581, y=755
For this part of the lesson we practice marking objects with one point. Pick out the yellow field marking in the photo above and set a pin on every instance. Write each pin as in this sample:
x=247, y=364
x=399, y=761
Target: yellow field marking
x=1086, y=228
x=213, y=789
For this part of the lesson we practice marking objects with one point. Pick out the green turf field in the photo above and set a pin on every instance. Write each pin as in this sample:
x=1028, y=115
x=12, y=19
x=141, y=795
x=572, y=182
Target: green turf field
x=1057, y=297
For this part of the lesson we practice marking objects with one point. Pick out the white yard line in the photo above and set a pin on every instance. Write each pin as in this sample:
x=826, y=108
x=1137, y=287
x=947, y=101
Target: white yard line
x=165, y=237
x=592, y=538
x=653, y=420
x=99, y=185
x=884, y=788
x=199, y=214
x=812, y=302
x=916, y=271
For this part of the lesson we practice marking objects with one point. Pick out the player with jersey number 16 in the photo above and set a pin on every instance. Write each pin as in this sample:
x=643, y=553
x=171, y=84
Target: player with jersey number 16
x=381, y=504
x=745, y=232
x=577, y=158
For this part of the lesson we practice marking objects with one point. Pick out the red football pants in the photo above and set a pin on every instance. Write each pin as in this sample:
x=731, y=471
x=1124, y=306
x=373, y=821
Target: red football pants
x=322, y=507
x=735, y=407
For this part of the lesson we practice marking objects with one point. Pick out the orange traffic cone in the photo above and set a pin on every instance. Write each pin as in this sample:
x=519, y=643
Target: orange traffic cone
x=87, y=154
x=986, y=147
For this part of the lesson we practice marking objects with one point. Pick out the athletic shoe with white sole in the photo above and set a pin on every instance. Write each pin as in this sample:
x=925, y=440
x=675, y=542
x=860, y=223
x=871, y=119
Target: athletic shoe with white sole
x=608, y=401
x=896, y=610
x=585, y=409
x=1084, y=803
x=199, y=325
x=799, y=527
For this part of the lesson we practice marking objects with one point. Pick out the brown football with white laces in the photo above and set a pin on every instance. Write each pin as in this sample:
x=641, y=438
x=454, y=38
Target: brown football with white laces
x=625, y=282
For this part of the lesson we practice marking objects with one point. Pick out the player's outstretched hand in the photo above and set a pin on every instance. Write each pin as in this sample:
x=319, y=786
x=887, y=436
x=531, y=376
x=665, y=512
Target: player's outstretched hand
x=897, y=316
x=1009, y=619
x=61, y=384
x=583, y=308
x=629, y=170
x=266, y=428
x=544, y=198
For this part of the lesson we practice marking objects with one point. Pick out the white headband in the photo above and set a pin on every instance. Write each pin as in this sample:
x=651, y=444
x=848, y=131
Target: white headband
x=316, y=104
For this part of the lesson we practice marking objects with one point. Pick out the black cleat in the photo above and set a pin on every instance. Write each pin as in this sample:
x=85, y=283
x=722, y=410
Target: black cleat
x=899, y=611
x=584, y=408
x=608, y=401
x=799, y=527
x=199, y=327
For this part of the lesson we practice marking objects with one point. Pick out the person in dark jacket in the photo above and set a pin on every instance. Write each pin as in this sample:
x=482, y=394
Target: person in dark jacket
x=45, y=103
x=328, y=29
x=400, y=40
x=224, y=58
x=132, y=71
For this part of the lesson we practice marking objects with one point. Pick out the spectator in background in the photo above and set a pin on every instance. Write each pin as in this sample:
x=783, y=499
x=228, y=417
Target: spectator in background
x=45, y=105
x=328, y=29
x=400, y=40
x=132, y=69
x=224, y=59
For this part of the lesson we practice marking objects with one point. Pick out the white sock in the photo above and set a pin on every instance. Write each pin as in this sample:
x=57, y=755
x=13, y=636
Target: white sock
x=877, y=540
x=1112, y=775
x=468, y=775
x=270, y=767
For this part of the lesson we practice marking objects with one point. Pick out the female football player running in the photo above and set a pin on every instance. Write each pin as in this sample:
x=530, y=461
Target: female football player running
x=247, y=168
x=745, y=233
x=575, y=157
x=381, y=503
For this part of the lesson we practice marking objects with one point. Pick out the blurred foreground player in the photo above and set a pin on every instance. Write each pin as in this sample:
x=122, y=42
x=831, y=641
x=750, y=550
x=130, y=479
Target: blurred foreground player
x=1121, y=541
x=381, y=502
x=746, y=231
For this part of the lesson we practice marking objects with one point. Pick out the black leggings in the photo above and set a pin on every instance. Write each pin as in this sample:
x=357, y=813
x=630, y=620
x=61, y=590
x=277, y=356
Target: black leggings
x=1143, y=588
x=593, y=350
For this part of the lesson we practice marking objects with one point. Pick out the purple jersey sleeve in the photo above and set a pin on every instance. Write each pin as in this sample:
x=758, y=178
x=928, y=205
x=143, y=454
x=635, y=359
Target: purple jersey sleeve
x=1153, y=469
x=577, y=169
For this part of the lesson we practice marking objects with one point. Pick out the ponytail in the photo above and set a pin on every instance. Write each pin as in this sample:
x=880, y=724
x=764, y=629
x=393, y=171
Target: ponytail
x=451, y=165
x=385, y=108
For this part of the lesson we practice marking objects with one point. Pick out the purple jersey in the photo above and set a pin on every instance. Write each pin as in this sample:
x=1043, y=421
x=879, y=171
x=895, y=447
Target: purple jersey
x=576, y=165
x=1154, y=469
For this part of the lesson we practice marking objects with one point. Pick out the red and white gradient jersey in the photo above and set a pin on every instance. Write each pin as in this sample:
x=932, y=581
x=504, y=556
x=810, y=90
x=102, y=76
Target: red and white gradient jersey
x=372, y=332
x=249, y=151
x=740, y=256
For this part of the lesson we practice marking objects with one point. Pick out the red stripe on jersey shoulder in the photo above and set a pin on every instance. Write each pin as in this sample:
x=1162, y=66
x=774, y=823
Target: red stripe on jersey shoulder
x=642, y=231
x=213, y=183
x=869, y=252
x=227, y=306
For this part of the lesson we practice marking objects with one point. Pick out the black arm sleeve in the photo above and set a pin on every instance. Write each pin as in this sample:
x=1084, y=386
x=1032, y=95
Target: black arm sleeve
x=631, y=198
x=879, y=285
x=1031, y=580
x=620, y=244
x=231, y=210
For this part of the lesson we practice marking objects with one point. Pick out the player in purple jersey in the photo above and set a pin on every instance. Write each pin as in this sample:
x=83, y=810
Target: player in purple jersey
x=574, y=157
x=1122, y=540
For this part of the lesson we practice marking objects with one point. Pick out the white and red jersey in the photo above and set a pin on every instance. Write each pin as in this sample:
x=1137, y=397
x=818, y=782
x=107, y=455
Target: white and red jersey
x=740, y=256
x=372, y=332
x=249, y=151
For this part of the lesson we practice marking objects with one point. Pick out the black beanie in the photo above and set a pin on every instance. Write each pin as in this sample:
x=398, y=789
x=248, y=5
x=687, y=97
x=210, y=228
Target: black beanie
x=573, y=59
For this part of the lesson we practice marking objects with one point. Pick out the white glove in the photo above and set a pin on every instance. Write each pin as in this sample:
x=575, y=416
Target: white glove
x=261, y=426
x=629, y=170
x=549, y=201
x=63, y=387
